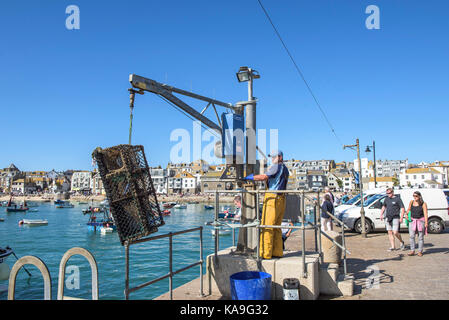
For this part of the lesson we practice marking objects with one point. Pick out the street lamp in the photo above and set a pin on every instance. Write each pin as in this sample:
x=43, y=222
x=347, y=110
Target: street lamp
x=374, y=155
x=362, y=209
x=248, y=237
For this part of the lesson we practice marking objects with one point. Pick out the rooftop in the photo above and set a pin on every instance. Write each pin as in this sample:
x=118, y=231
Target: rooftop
x=422, y=170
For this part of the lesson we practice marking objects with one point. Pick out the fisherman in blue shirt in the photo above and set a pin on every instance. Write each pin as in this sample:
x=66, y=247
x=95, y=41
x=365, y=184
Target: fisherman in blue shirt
x=271, y=244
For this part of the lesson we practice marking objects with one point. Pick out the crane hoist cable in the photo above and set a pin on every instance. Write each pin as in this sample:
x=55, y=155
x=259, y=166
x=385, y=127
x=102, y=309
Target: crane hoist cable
x=132, y=93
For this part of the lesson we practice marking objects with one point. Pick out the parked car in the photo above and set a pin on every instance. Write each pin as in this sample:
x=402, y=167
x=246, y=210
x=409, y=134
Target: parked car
x=355, y=201
x=437, y=204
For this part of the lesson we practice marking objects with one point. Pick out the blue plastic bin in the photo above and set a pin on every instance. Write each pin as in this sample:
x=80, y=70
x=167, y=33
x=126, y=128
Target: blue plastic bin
x=250, y=285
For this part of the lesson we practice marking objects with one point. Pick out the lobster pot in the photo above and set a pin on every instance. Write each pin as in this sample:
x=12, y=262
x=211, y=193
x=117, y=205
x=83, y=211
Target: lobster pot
x=132, y=198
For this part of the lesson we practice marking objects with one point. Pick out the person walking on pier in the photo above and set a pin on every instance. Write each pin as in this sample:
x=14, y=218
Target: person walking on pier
x=418, y=214
x=327, y=207
x=331, y=195
x=394, y=208
x=273, y=206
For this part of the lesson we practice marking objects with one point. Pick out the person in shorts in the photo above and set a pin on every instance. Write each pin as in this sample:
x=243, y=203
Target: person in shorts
x=394, y=209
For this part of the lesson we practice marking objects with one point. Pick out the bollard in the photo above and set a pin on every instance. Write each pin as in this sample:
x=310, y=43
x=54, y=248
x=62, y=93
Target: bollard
x=291, y=289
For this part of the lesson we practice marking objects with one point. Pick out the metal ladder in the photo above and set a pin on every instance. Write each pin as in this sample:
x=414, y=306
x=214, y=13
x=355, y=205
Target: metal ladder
x=46, y=274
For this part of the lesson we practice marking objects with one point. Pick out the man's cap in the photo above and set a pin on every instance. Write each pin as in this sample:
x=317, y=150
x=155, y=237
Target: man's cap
x=275, y=153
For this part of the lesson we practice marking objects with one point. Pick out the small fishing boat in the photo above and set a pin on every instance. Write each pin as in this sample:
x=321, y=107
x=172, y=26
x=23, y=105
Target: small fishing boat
x=105, y=203
x=166, y=212
x=58, y=201
x=168, y=205
x=4, y=253
x=2, y=219
x=64, y=205
x=105, y=230
x=226, y=215
x=32, y=205
x=16, y=209
x=193, y=202
x=94, y=210
x=33, y=222
x=180, y=206
x=208, y=207
x=222, y=231
x=83, y=202
x=95, y=223
x=10, y=207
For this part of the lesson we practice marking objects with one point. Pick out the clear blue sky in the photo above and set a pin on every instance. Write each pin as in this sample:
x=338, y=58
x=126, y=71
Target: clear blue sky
x=64, y=92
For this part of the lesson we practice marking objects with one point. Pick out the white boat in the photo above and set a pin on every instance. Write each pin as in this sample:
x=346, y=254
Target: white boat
x=221, y=231
x=180, y=206
x=106, y=230
x=35, y=222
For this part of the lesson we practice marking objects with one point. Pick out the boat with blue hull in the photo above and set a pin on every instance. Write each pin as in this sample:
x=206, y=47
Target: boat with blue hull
x=10, y=207
x=65, y=204
x=101, y=220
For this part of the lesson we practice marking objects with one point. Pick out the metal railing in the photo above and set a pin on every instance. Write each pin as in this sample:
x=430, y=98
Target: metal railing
x=171, y=273
x=305, y=225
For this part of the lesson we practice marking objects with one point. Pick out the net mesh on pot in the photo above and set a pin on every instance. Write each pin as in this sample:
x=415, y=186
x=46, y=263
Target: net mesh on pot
x=132, y=198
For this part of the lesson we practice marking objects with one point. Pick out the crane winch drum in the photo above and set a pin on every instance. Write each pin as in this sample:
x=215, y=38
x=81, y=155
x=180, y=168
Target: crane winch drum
x=132, y=198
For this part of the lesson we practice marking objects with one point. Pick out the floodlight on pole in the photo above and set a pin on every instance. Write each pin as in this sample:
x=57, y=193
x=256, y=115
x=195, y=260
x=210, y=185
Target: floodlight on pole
x=248, y=237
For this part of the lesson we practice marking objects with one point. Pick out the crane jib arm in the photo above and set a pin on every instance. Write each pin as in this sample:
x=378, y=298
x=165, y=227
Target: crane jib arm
x=166, y=92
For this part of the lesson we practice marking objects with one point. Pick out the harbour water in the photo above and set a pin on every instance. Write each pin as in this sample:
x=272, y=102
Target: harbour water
x=67, y=228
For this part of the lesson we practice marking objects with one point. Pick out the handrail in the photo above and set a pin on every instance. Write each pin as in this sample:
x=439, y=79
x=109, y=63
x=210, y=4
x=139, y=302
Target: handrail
x=93, y=265
x=314, y=226
x=37, y=263
x=171, y=273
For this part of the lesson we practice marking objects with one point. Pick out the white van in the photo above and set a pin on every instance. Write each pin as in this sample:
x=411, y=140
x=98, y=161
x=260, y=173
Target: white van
x=437, y=205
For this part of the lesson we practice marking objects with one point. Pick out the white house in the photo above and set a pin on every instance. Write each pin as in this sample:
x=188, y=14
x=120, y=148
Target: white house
x=81, y=181
x=443, y=168
x=160, y=179
x=188, y=182
x=421, y=178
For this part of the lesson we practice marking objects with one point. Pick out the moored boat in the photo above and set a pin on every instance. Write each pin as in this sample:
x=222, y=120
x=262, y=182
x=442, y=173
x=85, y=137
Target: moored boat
x=17, y=209
x=180, y=206
x=12, y=207
x=65, y=204
x=94, y=210
x=37, y=222
x=208, y=207
x=4, y=253
x=226, y=215
x=95, y=223
x=221, y=231
x=105, y=230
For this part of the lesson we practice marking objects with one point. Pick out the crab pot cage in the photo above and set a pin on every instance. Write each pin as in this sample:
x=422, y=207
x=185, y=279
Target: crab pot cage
x=129, y=188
